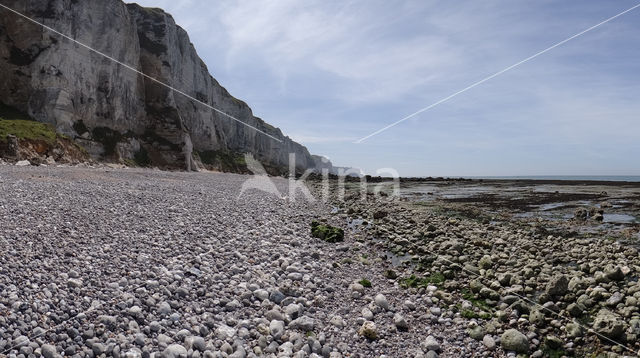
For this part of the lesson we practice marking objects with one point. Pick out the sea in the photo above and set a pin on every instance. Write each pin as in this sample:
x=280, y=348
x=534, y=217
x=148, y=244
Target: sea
x=621, y=178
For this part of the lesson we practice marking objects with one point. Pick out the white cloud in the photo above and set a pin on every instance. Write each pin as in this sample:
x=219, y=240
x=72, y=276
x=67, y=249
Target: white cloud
x=313, y=139
x=349, y=42
x=312, y=66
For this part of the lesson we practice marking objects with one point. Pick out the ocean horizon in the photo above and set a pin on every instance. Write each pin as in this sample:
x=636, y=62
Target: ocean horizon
x=621, y=178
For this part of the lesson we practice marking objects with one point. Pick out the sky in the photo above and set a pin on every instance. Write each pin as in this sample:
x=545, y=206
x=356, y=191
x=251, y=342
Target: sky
x=329, y=72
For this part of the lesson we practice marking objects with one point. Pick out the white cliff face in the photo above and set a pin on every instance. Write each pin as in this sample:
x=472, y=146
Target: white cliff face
x=77, y=91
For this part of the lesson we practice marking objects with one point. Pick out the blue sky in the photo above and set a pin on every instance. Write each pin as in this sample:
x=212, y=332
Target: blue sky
x=330, y=72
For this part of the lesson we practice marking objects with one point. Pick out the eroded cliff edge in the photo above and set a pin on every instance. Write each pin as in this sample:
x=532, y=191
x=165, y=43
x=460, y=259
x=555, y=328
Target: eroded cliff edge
x=115, y=113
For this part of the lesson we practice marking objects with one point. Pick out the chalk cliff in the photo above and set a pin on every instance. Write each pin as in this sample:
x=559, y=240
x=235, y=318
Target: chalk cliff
x=112, y=111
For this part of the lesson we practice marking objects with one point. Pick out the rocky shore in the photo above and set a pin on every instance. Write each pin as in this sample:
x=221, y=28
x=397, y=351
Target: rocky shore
x=143, y=263
x=519, y=288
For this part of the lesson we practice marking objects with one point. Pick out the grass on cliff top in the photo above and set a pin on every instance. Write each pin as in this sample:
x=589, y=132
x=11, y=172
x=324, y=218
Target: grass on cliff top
x=24, y=129
x=153, y=11
x=20, y=125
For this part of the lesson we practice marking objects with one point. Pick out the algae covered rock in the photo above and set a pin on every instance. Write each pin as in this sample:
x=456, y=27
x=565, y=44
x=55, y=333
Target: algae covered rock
x=609, y=324
x=514, y=340
x=485, y=262
x=326, y=232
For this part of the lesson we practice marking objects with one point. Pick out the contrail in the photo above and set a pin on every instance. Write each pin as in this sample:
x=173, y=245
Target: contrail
x=495, y=75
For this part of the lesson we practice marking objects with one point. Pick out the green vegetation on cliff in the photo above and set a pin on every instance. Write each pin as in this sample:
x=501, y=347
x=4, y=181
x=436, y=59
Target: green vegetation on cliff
x=14, y=122
x=223, y=160
x=24, y=129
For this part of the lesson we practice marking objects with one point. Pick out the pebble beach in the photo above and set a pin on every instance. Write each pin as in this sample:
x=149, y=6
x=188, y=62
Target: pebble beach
x=100, y=262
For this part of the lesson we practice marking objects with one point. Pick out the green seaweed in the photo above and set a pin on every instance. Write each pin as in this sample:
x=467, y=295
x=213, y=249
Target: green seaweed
x=223, y=160
x=466, y=313
x=326, y=232
x=414, y=281
x=390, y=274
x=476, y=302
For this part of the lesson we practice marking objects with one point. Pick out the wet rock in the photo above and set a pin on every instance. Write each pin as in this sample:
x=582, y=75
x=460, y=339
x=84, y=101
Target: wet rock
x=326, y=232
x=581, y=214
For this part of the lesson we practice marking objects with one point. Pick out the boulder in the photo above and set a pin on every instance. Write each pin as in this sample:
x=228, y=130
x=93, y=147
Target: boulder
x=175, y=351
x=514, y=340
x=303, y=323
x=609, y=324
x=48, y=351
x=400, y=322
x=489, y=342
x=380, y=214
x=381, y=301
x=581, y=214
x=368, y=330
x=431, y=344
x=557, y=286
x=614, y=273
x=485, y=262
